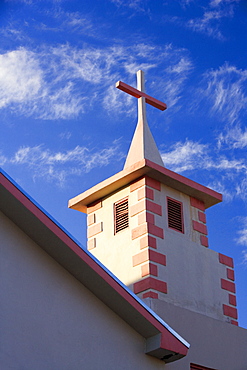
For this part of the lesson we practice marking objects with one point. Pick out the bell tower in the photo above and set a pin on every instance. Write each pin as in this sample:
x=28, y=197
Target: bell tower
x=147, y=225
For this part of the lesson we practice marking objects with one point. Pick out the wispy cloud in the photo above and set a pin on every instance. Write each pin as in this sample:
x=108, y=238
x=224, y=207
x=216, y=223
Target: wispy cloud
x=225, y=175
x=57, y=166
x=210, y=19
x=63, y=82
x=137, y=5
x=226, y=90
x=185, y=156
x=242, y=237
x=235, y=138
x=20, y=77
x=208, y=23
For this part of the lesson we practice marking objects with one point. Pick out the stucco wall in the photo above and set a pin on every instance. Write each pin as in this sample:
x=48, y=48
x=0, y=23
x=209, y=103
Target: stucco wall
x=116, y=251
x=192, y=271
x=51, y=321
x=214, y=344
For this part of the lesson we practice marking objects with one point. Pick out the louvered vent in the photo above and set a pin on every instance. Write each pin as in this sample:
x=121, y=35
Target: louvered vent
x=121, y=215
x=175, y=215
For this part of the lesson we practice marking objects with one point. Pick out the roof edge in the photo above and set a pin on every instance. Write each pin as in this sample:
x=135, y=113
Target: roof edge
x=77, y=260
x=145, y=167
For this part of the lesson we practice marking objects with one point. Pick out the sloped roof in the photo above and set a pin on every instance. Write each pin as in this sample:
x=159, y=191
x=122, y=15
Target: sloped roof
x=142, y=145
x=139, y=169
x=161, y=340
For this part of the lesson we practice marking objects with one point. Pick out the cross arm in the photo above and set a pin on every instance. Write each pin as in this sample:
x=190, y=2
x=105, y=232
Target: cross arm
x=138, y=94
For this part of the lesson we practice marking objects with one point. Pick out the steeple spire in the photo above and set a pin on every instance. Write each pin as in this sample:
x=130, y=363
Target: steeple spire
x=143, y=145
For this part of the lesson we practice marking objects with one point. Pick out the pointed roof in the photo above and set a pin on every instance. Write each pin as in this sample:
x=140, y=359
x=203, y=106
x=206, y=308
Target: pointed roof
x=143, y=159
x=143, y=145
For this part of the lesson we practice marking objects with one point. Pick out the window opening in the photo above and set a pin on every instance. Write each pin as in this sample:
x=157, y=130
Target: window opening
x=199, y=367
x=121, y=215
x=175, y=215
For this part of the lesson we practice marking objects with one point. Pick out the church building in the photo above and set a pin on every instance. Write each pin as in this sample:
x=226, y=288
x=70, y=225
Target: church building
x=148, y=293
x=147, y=224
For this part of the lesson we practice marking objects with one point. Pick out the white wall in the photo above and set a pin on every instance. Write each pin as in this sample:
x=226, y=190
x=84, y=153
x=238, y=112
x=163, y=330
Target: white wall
x=214, y=344
x=51, y=321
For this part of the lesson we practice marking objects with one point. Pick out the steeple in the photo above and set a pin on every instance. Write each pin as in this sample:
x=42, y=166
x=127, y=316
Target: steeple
x=143, y=145
x=147, y=224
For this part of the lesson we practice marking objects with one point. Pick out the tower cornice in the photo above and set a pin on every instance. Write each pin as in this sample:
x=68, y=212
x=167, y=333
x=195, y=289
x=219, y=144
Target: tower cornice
x=139, y=169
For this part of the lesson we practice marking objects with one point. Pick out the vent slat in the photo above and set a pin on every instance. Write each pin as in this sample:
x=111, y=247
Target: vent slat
x=175, y=219
x=121, y=215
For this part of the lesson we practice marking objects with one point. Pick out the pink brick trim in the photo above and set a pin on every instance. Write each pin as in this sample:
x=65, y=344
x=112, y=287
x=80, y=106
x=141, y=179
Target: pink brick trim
x=154, y=207
x=94, y=206
x=91, y=219
x=202, y=217
x=197, y=226
x=204, y=240
x=148, y=241
x=145, y=181
x=230, y=274
x=147, y=228
x=233, y=322
x=95, y=229
x=145, y=193
x=149, y=255
x=225, y=260
x=150, y=294
x=146, y=217
x=156, y=230
x=140, y=258
x=139, y=231
x=149, y=269
x=232, y=300
x=137, y=184
x=230, y=311
x=91, y=244
x=153, y=183
x=150, y=283
x=228, y=285
x=197, y=203
x=151, y=324
x=157, y=257
x=145, y=205
x=137, y=208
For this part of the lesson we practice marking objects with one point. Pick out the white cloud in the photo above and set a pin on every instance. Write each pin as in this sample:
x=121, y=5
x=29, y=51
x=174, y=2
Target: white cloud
x=215, y=3
x=235, y=138
x=59, y=165
x=227, y=91
x=183, y=65
x=20, y=77
x=210, y=21
x=222, y=187
x=117, y=102
x=137, y=5
x=185, y=156
x=3, y=159
x=244, y=253
x=63, y=82
x=241, y=187
x=242, y=239
x=228, y=176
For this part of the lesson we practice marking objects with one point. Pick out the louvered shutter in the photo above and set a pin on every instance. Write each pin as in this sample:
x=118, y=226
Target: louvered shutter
x=175, y=215
x=121, y=215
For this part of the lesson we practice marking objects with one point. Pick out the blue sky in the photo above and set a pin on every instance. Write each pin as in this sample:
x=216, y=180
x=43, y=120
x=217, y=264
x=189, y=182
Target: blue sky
x=65, y=127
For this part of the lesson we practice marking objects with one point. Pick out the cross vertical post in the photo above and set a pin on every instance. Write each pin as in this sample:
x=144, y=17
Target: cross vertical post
x=140, y=91
x=142, y=100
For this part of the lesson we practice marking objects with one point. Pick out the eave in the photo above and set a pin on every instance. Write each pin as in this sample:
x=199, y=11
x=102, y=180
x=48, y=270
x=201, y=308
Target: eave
x=161, y=340
x=151, y=169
